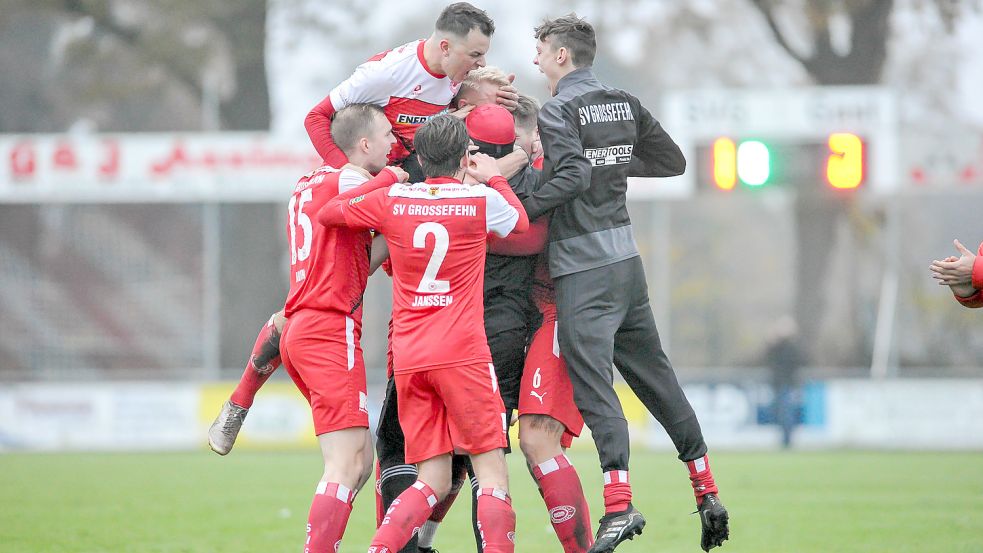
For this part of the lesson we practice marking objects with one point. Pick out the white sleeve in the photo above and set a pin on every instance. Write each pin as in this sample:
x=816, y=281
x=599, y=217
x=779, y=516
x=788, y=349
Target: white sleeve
x=500, y=217
x=350, y=179
x=369, y=84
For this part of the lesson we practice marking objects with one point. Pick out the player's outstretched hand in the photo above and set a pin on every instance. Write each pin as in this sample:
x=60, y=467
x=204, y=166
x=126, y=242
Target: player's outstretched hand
x=956, y=272
x=483, y=167
x=402, y=175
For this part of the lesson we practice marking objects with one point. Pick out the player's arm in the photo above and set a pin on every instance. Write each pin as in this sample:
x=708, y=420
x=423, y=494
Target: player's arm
x=504, y=211
x=565, y=152
x=379, y=253
x=332, y=214
x=655, y=153
x=512, y=163
x=364, y=86
x=531, y=242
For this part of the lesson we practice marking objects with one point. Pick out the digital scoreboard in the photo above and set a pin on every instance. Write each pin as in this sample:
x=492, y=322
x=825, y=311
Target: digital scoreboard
x=838, y=138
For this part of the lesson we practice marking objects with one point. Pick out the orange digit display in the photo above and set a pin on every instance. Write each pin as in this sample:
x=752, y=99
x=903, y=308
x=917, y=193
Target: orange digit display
x=724, y=163
x=845, y=164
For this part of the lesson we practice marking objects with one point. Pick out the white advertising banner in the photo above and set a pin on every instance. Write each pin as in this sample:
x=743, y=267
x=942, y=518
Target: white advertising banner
x=152, y=167
x=889, y=414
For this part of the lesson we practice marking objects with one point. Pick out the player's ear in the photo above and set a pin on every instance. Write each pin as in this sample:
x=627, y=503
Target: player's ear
x=445, y=46
x=363, y=144
x=562, y=55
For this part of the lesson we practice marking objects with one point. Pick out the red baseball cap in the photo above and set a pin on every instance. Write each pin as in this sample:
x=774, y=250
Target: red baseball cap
x=491, y=123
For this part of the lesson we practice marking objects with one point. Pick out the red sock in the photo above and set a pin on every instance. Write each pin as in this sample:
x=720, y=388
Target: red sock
x=617, y=491
x=406, y=515
x=265, y=358
x=564, y=496
x=496, y=521
x=328, y=518
x=701, y=477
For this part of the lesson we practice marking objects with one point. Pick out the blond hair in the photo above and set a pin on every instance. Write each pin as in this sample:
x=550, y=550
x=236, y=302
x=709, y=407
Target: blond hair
x=486, y=74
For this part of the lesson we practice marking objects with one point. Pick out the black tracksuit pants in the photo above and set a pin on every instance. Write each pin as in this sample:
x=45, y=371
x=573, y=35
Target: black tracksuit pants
x=604, y=316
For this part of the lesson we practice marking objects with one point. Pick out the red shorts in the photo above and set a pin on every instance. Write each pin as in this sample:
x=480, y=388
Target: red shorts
x=450, y=410
x=321, y=352
x=546, y=387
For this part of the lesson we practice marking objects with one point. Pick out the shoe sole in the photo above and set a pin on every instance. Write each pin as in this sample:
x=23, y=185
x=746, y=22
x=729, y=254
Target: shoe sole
x=217, y=449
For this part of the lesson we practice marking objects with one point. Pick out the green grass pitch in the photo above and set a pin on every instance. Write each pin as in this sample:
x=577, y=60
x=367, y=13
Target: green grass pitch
x=258, y=501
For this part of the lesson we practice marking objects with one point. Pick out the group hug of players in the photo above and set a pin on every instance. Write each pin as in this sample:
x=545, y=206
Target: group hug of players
x=517, y=286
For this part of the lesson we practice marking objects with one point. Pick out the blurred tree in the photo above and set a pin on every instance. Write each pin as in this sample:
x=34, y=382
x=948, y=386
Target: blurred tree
x=133, y=65
x=837, y=42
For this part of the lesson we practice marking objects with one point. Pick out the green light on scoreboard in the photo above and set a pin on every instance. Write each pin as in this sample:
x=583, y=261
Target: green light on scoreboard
x=753, y=162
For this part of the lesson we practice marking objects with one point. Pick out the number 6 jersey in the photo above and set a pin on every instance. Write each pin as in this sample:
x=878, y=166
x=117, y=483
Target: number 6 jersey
x=437, y=233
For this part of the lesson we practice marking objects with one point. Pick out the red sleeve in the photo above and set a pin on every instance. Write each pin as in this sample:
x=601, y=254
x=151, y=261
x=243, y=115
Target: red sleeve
x=530, y=242
x=978, y=270
x=502, y=187
x=318, y=125
x=976, y=300
x=333, y=212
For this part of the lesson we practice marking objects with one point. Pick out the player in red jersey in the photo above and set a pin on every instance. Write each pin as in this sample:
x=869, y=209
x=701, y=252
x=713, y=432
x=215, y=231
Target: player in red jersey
x=548, y=417
x=412, y=83
x=320, y=343
x=436, y=232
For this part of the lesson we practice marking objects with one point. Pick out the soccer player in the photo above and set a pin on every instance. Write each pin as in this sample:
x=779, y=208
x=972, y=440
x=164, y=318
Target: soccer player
x=536, y=381
x=437, y=232
x=593, y=138
x=320, y=344
x=963, y=274
x=527, y=130
x=482, y=86
x=412, y=83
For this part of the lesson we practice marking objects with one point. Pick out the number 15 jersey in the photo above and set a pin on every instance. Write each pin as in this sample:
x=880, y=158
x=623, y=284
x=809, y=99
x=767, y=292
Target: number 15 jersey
x=437, y=233
x=329, y=267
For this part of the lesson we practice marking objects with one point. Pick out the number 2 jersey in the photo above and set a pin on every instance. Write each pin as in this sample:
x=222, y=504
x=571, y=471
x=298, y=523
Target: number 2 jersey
x=437, y=233
x=329, y=267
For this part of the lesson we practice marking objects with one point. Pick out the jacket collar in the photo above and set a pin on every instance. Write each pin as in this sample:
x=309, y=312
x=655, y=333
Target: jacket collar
x=579, y=75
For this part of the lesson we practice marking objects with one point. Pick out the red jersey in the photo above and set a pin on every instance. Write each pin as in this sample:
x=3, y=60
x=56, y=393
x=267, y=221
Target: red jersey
x=437, y=232
x=328, y=266
x=400, y=81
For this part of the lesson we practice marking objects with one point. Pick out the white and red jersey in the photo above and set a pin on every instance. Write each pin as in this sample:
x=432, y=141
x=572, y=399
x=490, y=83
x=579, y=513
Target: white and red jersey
x=400, y=81
x=437, y=232
x=329, y=267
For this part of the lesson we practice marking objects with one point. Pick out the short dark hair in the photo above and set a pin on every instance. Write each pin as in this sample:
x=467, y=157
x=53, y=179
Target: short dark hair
x=440, y=144
x=352, y=123
x=460, y=17
x=526, y=112
x=573, y=33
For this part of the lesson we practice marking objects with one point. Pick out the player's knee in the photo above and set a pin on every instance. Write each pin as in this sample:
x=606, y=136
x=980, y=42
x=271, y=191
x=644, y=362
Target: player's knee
x=539, y=437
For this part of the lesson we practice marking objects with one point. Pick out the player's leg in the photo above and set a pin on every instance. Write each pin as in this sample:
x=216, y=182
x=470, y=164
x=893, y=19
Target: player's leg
x=347, y=465
x=424, y=421
x=263, y=360
x=460, y=466
x=477, y=423
x=327, y=359
x=639, y=356
x=590, y=307
x=546, y=400
x=496, y=518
